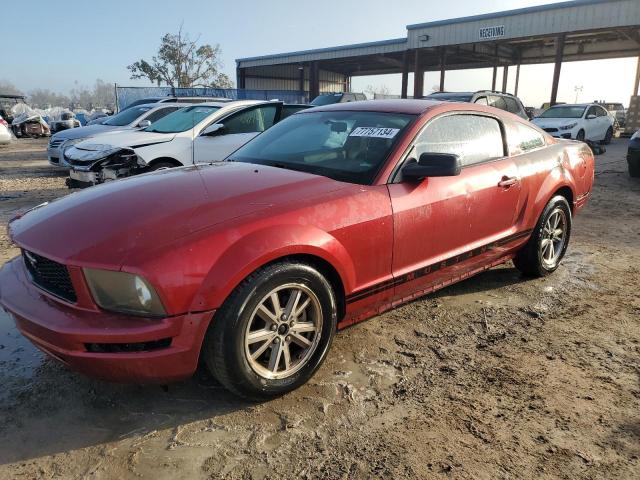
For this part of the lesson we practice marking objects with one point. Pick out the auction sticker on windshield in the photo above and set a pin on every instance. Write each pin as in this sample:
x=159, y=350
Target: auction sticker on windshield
x=376, y=132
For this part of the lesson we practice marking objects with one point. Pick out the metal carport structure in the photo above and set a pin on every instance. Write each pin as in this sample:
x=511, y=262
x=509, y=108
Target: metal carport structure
x=556, y=33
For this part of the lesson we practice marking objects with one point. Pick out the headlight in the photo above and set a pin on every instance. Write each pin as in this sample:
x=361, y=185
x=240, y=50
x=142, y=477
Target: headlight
x=90, y=153
x=635, y=135
x=70, y=143
x=123, y=292
x=568, y=127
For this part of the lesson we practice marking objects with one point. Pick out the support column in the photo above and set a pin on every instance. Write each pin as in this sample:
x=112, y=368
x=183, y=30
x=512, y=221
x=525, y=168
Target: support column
x=636, y=85
x=418, y=80
x=301, y=84
x=405, y=74
x=241, y=78
x=517, y=80
x=443, y=63
x=505, y=74
x=556, y=68
x=495, y=75
x=314, y=80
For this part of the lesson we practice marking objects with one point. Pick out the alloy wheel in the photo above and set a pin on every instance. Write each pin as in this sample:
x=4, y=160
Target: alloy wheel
x=283, y=331
x=554, y=237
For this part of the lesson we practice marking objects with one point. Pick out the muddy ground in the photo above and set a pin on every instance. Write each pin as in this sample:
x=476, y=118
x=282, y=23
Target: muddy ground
x=496, y=377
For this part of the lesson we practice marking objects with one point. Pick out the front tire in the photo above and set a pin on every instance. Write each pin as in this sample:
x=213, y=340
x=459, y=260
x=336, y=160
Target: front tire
x=580, y=136
x=548, y=242
x=161, y=165
x=273, y=332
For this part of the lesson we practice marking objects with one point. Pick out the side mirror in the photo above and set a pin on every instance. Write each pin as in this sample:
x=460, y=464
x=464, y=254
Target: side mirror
x=591, y=116
x=432, y=165
x=144, y=123
x=211, y=130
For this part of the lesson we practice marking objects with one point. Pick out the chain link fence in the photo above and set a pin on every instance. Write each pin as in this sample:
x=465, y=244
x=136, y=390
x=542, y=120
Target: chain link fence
x=127, y=95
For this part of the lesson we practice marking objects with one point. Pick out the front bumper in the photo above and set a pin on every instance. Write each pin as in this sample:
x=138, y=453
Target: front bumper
x=56, y=158
x=68, y=334
x=566, y=134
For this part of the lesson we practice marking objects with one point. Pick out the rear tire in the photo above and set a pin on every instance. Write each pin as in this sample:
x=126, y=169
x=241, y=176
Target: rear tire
x=608, y=136
x=259, y=347
x=634, y=169
x=548, y=242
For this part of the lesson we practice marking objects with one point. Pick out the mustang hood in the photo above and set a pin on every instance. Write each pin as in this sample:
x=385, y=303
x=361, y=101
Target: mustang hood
x=102, y=226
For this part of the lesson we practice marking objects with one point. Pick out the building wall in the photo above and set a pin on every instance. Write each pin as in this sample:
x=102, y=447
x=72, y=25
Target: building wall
x=286, y=77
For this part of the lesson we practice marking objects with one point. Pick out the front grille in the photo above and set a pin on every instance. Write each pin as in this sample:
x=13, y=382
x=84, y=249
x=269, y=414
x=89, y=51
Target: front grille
x=55, y=143
x=50, y=276
x=550, y=130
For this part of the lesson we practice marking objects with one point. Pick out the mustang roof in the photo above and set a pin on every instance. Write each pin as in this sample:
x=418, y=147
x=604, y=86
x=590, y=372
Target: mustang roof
x=388, y=106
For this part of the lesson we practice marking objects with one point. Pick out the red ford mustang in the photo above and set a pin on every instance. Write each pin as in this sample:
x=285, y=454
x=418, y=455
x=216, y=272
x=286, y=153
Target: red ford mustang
x=332, y=216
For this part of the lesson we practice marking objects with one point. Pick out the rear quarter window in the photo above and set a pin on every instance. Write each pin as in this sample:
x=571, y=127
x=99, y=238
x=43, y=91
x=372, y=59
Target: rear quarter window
x=522, y=139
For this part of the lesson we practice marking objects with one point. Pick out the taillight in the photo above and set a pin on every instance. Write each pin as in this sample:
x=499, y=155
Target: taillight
x=3, y=122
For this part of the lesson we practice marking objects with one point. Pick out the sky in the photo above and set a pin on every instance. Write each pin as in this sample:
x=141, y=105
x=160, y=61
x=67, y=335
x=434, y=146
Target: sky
x=62, y=45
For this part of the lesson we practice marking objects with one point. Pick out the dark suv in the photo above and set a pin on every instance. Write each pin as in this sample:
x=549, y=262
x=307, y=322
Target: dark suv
x=503, y=101
x=343, y=97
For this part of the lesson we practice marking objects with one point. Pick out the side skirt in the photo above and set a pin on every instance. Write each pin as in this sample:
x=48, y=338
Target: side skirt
x=348, y=320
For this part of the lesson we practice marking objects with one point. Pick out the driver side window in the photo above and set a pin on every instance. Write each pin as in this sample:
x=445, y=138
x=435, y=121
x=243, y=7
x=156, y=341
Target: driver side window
x=474, y=138
x=251, y=120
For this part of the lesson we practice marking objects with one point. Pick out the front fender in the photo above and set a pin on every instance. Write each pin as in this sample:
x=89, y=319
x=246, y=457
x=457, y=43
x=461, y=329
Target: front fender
x=263, y=246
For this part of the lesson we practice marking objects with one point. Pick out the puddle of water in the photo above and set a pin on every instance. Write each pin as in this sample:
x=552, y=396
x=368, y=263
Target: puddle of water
x=18, y=357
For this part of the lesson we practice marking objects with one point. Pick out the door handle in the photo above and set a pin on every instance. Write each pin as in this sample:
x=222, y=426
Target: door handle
x=507, y=182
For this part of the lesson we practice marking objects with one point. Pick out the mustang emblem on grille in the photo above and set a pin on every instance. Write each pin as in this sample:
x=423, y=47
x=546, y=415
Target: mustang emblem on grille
x=32, y=260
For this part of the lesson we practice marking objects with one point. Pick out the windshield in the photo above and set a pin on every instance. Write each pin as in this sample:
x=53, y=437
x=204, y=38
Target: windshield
x=126, y=116
x=450, y=97
x=327, y=99
x=346, y=146
x=141, y=101
x=575, y=111
x=182, y=120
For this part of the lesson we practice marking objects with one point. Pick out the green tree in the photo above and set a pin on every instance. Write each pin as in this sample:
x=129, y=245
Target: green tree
x=181, y=62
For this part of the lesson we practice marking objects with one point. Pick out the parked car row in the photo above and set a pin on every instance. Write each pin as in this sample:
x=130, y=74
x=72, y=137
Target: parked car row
x=153, y=136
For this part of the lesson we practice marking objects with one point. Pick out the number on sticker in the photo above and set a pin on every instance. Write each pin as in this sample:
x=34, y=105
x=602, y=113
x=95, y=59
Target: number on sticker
x=375, y=132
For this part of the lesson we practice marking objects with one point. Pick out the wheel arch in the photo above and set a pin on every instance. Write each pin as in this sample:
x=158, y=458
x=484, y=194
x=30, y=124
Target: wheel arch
x=299, y=243
x=164, y=159
x=567, y=193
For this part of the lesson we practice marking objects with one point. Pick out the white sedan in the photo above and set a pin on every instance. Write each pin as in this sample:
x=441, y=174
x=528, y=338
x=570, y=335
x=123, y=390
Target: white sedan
x=202, y=133
x=583, y=122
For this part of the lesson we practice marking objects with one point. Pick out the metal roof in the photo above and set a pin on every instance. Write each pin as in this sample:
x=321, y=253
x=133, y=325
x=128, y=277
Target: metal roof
x=507, y=13
x=378, y=43
x=534, y=23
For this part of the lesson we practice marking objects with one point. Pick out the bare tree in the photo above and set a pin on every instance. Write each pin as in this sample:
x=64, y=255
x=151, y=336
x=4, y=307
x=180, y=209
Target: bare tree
x=45, y=98
x=372, y=91
x=180, y=62
x=8, y=88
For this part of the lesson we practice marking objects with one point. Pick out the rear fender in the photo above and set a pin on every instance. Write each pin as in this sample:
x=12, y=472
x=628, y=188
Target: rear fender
x=264, y=246
x=558, y=177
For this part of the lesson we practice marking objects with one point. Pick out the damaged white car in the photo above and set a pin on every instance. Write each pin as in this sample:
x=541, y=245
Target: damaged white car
x=202, y=133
